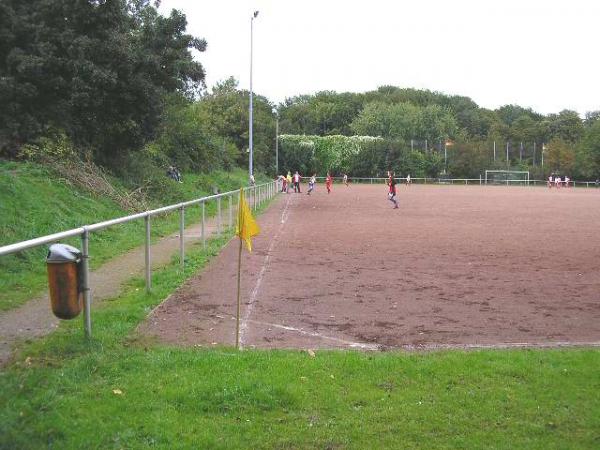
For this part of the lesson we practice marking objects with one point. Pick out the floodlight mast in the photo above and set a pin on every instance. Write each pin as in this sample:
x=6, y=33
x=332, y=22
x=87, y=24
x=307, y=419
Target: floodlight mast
x=250, y=120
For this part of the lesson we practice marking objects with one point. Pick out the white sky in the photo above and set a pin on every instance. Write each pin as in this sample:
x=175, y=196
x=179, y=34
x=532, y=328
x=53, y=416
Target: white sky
x=541, y=54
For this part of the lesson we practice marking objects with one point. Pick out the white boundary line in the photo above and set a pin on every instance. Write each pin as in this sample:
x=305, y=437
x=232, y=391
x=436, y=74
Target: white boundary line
x=250, y=305
x=350, y=344
x=432, y=347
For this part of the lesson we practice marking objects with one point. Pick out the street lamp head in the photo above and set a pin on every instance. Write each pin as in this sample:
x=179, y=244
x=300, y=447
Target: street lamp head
x=255, y=14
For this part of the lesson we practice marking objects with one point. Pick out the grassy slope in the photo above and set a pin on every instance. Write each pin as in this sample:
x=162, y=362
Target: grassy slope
x=35, y=201
x=61, y=392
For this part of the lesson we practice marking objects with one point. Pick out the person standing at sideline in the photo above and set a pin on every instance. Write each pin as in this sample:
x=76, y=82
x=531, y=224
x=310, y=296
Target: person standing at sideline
x=346, y=179
x=311, y=183
x=289, y=182
x=328, y=182
x=392, y=189
x=281, y=181
x=297, y=178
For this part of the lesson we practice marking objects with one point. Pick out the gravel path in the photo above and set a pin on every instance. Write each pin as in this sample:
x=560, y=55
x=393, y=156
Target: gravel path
x=35, y=319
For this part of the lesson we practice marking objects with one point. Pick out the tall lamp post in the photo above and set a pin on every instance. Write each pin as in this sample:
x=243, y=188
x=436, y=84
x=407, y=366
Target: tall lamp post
x=251, y=146
x=276, y=141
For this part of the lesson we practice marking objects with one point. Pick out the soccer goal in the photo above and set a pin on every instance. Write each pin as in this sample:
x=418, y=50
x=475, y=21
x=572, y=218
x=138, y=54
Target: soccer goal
x=520, y=177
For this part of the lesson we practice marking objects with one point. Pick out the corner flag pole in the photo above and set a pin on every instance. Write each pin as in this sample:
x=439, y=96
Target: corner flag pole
x=237, y=316
x=245, y=230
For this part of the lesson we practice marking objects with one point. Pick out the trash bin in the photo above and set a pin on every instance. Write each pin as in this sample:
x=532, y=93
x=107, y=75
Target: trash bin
x=63, y=263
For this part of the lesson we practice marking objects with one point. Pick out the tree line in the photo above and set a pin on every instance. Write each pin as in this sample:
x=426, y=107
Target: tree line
x=453, y=127
x=117, y=82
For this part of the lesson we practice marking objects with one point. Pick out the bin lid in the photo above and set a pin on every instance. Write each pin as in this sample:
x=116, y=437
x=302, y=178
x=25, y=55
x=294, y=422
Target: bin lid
x=61, y=253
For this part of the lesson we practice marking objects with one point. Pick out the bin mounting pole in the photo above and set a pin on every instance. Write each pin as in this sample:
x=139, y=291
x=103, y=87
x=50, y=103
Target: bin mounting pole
x=85, y=283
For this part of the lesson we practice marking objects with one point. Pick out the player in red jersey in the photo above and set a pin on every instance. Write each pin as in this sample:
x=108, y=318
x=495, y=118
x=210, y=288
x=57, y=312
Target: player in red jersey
x=392, y=189
x=328, y=182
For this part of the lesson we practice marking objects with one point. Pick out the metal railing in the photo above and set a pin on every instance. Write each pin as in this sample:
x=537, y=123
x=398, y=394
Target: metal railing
x=257, y=195
x=465, y=181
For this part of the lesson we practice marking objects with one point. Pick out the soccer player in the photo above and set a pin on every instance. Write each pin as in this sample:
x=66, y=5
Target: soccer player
x=297, y=178
x=392, y=189
x=311, y=183
x=550, y=181
x=557, y=181
x=567, y=179
x=289, y=182
x=346, y=180
x=408, y=180
x=328, y=182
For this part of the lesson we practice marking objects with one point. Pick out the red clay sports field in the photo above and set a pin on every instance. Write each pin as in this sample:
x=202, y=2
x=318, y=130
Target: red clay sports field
x=455, y=266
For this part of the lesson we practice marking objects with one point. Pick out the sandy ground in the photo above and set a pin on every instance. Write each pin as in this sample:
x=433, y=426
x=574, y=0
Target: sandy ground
x=35, y=319
x=454, y=266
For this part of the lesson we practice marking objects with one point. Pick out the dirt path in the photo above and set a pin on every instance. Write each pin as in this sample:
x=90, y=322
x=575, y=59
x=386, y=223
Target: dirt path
x=35, y=319
x=466, y=267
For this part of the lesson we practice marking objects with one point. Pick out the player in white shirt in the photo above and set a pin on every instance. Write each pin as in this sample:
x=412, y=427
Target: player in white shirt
x=311, y=183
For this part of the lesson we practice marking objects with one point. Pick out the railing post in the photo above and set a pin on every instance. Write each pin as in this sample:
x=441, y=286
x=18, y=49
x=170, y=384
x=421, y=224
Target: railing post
x=85, y=283
x=181, y=237
x=202, y=227
x=147, y=255
x=219, y=219
x=230, y=211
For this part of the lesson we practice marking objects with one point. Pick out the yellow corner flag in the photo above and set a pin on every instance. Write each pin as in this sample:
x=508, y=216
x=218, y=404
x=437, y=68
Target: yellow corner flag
x=246, y=226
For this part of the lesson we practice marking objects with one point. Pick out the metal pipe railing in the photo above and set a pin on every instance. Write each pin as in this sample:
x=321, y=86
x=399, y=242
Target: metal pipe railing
x=267, y=189
x=480, y=181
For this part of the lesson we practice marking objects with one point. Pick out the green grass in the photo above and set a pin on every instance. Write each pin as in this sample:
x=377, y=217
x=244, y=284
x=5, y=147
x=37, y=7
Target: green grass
x=36, y=201
x=59, y=393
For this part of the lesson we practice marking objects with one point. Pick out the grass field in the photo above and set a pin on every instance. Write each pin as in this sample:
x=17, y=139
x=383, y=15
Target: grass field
x=37, y=201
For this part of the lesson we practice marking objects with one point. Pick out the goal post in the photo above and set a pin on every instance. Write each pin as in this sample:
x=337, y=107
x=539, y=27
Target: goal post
x=507, y=177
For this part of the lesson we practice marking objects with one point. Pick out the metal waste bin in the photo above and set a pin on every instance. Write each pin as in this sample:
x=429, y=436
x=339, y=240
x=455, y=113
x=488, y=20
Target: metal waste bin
x=63, y=262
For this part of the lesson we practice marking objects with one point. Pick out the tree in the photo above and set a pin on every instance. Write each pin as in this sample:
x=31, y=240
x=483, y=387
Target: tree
x=566, y=125
x=560, y=156
x=98, y=70
x=589, y=151
x=591, y=117
x=224, y=111
x=405, y=121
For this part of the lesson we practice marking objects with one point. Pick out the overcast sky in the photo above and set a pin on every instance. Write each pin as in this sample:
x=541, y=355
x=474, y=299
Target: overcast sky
x=541, y=54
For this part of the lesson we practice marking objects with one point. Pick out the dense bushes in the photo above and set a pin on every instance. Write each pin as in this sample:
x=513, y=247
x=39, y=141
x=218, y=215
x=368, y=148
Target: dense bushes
x=359, y=156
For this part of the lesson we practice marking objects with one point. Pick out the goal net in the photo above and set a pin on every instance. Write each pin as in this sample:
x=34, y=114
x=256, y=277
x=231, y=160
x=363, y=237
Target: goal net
x=519, y=177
